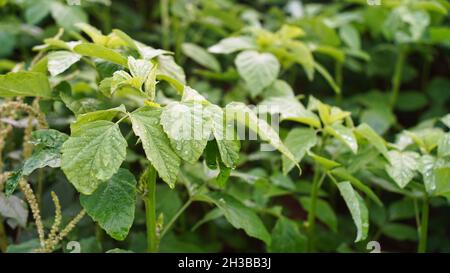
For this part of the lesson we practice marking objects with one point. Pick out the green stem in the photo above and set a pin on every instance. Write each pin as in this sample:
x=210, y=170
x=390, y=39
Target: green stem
x=99, y=235
x=3, y=237
x=422, y=248
x=150, y=210
x=317, y=182
x=339, y=81
x=175, y=217
x=165, y=23
x=397, y=78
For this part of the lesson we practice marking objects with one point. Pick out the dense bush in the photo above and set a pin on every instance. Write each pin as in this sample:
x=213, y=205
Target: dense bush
x=224, y=126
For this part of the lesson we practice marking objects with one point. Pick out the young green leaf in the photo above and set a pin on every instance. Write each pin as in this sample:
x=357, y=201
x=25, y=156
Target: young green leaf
x=444, y=146
x=101, y=52
x=23, y=84
x=167, y=66
x=227, y=141
x=343, y=174
x=258, y=70
x=245, y=116
x=344, y=134
x=60, y=61
x=188, y=128
x=93, y=154
x=373, y=138
x=290, y=109
x=108, y=115
x=112, y=205
x=357, y=209
x=146, y=125
x=298, y=141
x=402, y=167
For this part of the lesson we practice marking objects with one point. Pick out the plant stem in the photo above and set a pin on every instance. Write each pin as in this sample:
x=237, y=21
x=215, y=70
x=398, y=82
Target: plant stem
x=339, y=81
x=175, y=217
x=422, y=248
x=99, y=235
x=397, y=78
x=150, y=210
x=317, y=182
x=3, y=238
x=40, y=186
x=165, y=23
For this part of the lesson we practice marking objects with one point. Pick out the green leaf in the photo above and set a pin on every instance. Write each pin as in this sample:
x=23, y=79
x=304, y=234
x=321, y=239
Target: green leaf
x=258, y=70
x=298, y=141
x=12, y=182
x=357, y=209
x=139, y=68
x=210, y=216
x=240, y=216
x=146, y=125
x=47, y=152
x=93, y=154
x=350, y=36
x=344, y=134
x=373, y=138
x=188, y=128
x=60, y=61
x=222, y=178
x=112, y=205
x=400, y=232
x=324, y=212
x=410, y=101
x=446, y=120
x=201, y=56
x=23, y=84
x=232, y=44
x=68, y=16
x=286, y=238
x=444, y=146
x=290, y=109
x=108, y=115
x=46, y=157
x=167, y=66
x=402, y=167
x=402, y=210
x=48, y=138
x=13, y=208
x=440, y=34
x=300, y=53
x=326, y=75
x=343, y=174
x=245, y=116
x=37, y=11
x=227, y=141
x=325, y=162
x=442, y=178
x=25, y=247
x=427, y=165
x=101, y=52
x=94, y=33
x=279, y=88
